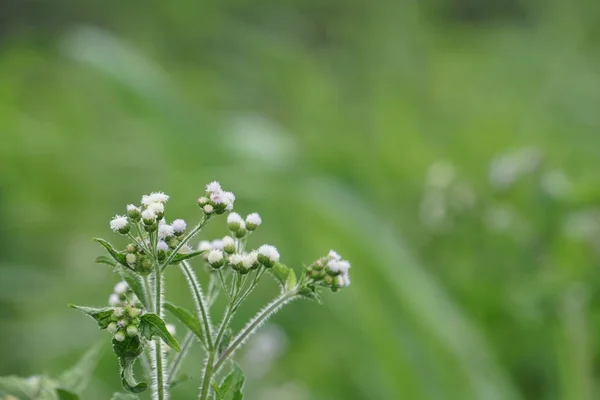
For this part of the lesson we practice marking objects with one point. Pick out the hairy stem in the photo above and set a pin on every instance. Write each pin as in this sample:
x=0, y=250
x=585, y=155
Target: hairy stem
x=183, y=241
x=201, y=306
x=159, y=373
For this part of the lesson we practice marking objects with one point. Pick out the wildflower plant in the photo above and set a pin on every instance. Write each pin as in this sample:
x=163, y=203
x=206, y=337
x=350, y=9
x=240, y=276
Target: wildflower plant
x=135, y=314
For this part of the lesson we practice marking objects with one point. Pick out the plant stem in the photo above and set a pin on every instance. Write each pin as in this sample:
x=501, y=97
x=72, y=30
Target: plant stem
x=183, y=241
x=187, y=343
x=252, y=326
x=158, y=359
x=201, y=307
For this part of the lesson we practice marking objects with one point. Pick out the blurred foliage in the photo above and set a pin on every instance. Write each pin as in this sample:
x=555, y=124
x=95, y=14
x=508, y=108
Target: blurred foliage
x=448, y=148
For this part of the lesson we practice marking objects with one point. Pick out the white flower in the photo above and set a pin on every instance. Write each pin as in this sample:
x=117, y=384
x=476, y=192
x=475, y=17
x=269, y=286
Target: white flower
x=157, y=208
x=165, y=231
x=208, y=209
x=217, y=197
x=270, y=252
x=234, y=218
x=178, y=225
x=171, y=329
x=121, y=287
x=114, y=300
x=118, y=223
x=213, y=187
x=130, y=258
x=253, y=220
x=217, y=244
x=250, y=260
x=148, y=215
x=215, y=256
x=185, y=249
x=225, y=243
x=339, y=266
x=236, y=259
x=342, y=280
x=131, y=207
x=334, y=255
x=204, y=245
x=158, y=197
x=162, y=245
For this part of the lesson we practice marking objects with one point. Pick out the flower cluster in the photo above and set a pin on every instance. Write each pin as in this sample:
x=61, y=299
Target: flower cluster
x=125, y=322
x=123, y=296
x=216, y=200
x=331, y=271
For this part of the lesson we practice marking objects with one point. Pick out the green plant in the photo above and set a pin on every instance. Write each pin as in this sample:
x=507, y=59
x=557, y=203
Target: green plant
x=136, y=312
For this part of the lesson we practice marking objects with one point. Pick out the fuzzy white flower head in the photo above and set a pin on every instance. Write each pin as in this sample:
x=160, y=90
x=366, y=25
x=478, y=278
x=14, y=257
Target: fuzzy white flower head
x=121, y=287
x=217, y=197
x=334, y=255
x=118, y=223
x=215, y=256
x=171, y=329
x=234, y=218
x=185, y=249
x=236, y=259
x=132, y=207
x=217, y=244
x=114, y=300
x=269, y=251
x=204, y=245
x=228, y=199
x=158, y=197
x=162, y=245
x=226, y=242
x=208, y=209
x=250, y=259
x=213, y=187
x=253, y=219
x=148, y=215
x=178, y=225
x=165, y=231
x=156, y=207
x=342, y=280
x=339, y=266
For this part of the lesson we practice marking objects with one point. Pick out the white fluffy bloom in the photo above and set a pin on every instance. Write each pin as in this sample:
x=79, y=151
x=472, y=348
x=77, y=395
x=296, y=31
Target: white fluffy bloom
x=339, y=266
x=162, y=245
x=229, y=199
x=114, y=300
x=148, y=215
x=165, y=231
x=132, y=207
x=204, y=245
x=236, y=259
x=269, y=251
x=217, y=244
x=208, y=209
x=179, y=225
x=158, y=197
x=234, y=219
x=185, y=249
x=118, y=222
x=253, y=219
x=217, y=197
x=121, y=287
x=334, y=255
x=342, y=280
x=213, y=187
x=157, y=208
x=250, y=259
x=226, y=242
x=215, y=256
x=171, y=329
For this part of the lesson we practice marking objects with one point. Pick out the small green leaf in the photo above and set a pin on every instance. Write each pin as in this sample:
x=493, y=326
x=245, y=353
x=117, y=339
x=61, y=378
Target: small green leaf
x=78, y=377
x=280, y=272
x=124, y=396
x=116, y=255
x=290, y=283
x=106, y=260
x=64, y=394
x=128, y=351
x=101, y=315
x=134, y=282
x=152, y=325
x=231, y=387
x=185, y=256
x=310, y=293
x=189, y=320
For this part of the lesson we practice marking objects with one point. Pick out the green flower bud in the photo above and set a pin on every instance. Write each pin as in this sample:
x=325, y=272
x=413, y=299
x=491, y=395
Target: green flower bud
x=131, y=259
x=134, y=321
x=131, y=248
x=150, y=228
x=241, y=232
x=134, y=213
x=133, y=312
x=120, y=336
x=132, y=330
x=112, y=327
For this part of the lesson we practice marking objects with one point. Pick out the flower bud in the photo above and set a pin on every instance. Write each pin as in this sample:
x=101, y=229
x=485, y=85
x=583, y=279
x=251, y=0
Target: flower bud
x=114, y=300
x=131, y=248
x=132, y=330
x=112, y=328
x=122, y=323
x=228, y=245
x=135, y=321
x=133, y=312
x=173, y=242
x=208, y=209
x=202, y=201
x=250, y=261
x=268, y=255
x=149, y=217
x=241, y=232
x=234, y=221
x=120, y=224
x=236, y=262
x=120, y=336
x=253, y=221
x=179, y=226
x=215, y=258
x=150, y=228
x=165, y=230
x=158, y=209
x=134, y=212
x=121, y=287
x=119, y=312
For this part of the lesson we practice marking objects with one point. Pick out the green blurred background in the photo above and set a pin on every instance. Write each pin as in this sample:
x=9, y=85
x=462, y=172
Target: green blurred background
x=448, y=148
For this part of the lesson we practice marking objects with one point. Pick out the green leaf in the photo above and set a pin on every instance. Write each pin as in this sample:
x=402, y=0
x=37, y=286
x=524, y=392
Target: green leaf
x=231, y=387
x=101, y=315
x=152, y=325
x=117, y=256
x=290, y=283
x=189, y=320
x=134, y=282
x=64, y=394
x=77, y=378
x=280, y=272
x=128, y=351
x=106, y=260
x=124, y=396
x=181, y=257
x=23, y=388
